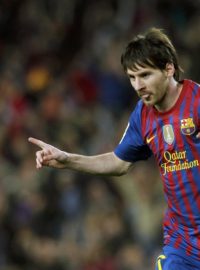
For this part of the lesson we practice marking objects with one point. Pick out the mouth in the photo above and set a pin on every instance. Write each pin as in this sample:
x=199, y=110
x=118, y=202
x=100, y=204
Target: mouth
x=145, y=96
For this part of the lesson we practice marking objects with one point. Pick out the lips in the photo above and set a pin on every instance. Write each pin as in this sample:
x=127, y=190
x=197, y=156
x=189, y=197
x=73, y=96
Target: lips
x=144, y=95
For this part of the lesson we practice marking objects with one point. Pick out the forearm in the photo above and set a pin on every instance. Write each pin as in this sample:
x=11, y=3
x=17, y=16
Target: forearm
x=104, y=164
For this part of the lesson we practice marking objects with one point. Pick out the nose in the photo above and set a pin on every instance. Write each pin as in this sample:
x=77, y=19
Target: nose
x=138, y=84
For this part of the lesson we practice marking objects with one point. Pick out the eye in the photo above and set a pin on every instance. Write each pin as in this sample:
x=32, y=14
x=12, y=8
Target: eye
x=132, y=78
x=146, y=74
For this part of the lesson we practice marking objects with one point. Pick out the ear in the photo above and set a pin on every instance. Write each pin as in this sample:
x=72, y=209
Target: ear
x=170, y=70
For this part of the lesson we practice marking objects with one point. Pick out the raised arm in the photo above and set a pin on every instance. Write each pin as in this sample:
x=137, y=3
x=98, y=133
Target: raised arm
x=104, y=164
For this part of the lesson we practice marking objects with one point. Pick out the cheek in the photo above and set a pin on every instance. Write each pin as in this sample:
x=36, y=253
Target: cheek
x=160, y=86
x=132, y=84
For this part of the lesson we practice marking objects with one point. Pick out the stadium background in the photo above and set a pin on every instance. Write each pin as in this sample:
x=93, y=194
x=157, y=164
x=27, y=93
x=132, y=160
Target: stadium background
x=61, y=81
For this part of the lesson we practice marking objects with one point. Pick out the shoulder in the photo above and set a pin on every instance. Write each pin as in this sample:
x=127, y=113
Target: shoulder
x=141, y=112
x=140, y=118
x=190, y=84
x=139, y=109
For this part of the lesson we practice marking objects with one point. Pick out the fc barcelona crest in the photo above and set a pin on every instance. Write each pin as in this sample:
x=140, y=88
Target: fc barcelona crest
x=187, y=126
x=168, y=134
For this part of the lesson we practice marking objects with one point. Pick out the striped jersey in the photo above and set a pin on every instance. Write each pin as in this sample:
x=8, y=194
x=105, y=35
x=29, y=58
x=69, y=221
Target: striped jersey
x=171, y=138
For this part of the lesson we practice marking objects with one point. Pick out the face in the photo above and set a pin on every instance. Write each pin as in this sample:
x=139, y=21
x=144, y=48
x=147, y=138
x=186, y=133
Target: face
x=150, y=84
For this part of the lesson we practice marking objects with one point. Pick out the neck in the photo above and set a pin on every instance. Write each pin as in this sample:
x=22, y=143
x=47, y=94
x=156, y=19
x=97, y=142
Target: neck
x=171, y=96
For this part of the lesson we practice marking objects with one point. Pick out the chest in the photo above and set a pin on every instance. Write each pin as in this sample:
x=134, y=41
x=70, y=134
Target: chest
x=173, y=136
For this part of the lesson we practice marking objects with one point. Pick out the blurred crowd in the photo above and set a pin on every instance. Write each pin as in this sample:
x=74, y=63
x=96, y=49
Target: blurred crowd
x=61, y=81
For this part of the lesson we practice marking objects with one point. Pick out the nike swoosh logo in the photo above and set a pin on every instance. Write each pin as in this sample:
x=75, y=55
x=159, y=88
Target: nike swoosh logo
x=150, y=139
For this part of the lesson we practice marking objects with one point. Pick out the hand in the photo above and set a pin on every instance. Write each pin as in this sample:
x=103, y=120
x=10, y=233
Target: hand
x=49, y=155
x=198, y=135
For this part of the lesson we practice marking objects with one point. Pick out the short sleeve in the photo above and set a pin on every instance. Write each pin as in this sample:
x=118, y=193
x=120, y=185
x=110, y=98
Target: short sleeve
x=132, y=147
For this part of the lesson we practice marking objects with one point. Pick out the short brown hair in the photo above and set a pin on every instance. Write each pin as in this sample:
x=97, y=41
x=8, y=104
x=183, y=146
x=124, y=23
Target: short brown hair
x=154, y=49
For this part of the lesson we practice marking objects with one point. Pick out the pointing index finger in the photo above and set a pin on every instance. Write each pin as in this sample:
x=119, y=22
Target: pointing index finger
x=37, y=142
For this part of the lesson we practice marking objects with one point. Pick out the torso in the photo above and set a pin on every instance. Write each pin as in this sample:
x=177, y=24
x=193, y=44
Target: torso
x=171, y=136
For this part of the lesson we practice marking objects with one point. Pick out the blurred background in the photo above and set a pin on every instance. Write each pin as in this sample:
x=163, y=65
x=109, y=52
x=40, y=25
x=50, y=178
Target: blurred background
x=61, y=81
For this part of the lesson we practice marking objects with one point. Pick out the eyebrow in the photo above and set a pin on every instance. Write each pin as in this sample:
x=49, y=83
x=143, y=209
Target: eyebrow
x=139, y=73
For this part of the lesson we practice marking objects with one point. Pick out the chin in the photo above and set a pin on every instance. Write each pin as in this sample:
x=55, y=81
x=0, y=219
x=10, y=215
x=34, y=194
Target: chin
x=149, y=103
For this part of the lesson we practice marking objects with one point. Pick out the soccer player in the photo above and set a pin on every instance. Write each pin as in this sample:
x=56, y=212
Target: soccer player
x=165, y=123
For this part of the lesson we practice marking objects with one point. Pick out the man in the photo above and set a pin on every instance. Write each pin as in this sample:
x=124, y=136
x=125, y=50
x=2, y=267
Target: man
x=164, y=123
